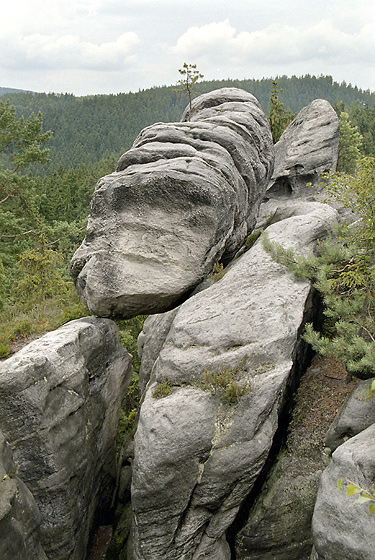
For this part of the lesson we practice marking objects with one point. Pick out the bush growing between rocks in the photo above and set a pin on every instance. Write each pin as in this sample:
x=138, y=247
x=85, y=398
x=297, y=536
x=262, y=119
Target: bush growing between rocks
x=344, y=273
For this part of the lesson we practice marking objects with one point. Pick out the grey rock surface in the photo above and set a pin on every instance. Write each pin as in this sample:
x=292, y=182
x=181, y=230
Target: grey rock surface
x=152, y=337
x=60, y=400
x=342, y=528
x=279, y=524
x=308, y=147
x=357, y=414
x=150, y=342
x=184, y=196
x=196, y=455
x=19, y=515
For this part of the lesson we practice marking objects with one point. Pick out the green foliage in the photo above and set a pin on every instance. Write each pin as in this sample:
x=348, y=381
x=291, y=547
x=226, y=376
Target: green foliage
x=363, y=116
x=279, y=118
x=343, y=304
x=129, y=330
x=218, y=272
x=87, y=129
x=4, y=350
x=129, y=410
x=251, y=238
x=223, y=382
x=36, y=318
x=350, y=143
x=363, y=496
x=21, y=146
x=162, y=389
x=40, y=277
x=343, y=271
x=190, y=76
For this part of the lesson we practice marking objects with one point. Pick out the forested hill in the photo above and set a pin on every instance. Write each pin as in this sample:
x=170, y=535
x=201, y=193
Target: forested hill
x=87, y=129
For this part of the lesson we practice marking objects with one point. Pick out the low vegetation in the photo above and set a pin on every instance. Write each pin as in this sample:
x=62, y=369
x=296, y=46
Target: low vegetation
x=223, y=383
x=162, y=389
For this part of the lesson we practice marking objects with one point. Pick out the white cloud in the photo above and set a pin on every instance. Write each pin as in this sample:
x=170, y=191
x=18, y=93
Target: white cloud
x=220, y=42
x=68, y=51
x=115, y=45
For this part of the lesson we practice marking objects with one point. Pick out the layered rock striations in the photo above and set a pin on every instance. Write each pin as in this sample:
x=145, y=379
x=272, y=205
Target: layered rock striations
x=60, y=405
x=218, y=368
x=199, y=452
x=184, y=197
x=307, y=148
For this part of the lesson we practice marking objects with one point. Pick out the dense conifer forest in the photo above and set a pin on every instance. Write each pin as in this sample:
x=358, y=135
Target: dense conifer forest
x=87, y=129
x=47, y=178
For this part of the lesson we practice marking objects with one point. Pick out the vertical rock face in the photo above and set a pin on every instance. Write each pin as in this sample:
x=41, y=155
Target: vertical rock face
x=199, y=451
x=60, y=401
x=343, y=528
x=308, y=147
x=19, y=514
x=183, y=197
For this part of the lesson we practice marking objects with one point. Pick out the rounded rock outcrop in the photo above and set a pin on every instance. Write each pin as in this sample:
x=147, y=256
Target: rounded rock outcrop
x=182, y=198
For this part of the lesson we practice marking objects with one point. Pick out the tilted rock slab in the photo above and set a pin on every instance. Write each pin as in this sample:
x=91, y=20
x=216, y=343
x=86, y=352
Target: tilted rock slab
x=183, y=197
x=357, y=414
x=307, y=148
x=342, y=528
x=197, y=457
x=60, y=400
x=19, y=514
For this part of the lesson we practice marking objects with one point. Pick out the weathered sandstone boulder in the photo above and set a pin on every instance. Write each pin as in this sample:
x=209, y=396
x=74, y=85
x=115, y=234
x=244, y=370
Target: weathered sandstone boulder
x=60, y=400
x=19, y=514
x=357, y=414
x=198, y=451
x=183, y=197
x=342, y=528
x=307, y=148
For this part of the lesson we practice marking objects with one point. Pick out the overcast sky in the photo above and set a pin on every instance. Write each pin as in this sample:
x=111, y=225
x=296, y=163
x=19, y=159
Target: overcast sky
x=110, y=46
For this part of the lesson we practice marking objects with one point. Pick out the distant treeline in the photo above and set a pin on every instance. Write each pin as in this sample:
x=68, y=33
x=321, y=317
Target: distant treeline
x=88, y=129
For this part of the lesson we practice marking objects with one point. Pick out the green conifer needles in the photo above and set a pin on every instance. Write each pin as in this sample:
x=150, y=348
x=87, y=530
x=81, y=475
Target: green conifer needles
x=343, y=271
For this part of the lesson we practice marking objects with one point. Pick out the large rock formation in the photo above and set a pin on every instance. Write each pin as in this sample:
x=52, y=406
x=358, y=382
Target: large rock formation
x=342, y=528
x=19, y=514
x=218, y=369
x=307, y=148
x=183, y=197
x=60, y=400
x=197, y=455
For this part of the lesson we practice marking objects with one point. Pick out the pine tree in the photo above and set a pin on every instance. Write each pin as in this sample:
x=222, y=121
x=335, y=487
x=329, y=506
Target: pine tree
x=21, y=145
x=190, y=76
x=350, y=143
x=279, y=118
x=344, y=274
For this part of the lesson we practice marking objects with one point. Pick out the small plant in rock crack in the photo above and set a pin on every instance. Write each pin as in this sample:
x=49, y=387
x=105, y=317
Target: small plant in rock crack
x=217, y=272
x=162, y=389
x=222, y=382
